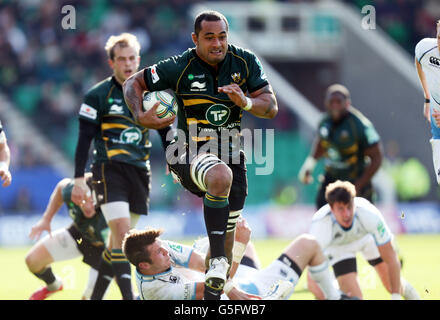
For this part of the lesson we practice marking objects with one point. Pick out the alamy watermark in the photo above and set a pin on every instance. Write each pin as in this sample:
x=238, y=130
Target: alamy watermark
x=69, y=20
x=369, y=20
x=227, y=144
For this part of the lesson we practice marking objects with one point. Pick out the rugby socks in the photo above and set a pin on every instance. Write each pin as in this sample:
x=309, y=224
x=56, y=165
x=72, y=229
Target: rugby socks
x=122, y=271
x=49, y=278
x=408, y=291
x=321, y=275
x=216, y=212
x=105, y=276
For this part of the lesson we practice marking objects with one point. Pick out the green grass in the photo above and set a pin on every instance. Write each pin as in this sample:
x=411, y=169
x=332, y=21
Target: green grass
x=420, y=252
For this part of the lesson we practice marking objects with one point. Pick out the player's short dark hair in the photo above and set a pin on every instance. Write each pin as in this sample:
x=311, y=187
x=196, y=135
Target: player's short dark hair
x=340, y=191
x=209, y=15
x=337, y=88
x=136, y=242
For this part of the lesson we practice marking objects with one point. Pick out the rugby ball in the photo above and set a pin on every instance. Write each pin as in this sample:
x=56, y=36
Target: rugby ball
x=168, y=104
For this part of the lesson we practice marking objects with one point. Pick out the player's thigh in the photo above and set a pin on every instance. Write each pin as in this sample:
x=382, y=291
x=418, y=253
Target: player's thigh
x=435, y=144
x=180, y=168
x=320, y=197
x=38, y=258
x=110, y=183
x=140, y=186
x=60, y=246
x=239, y=187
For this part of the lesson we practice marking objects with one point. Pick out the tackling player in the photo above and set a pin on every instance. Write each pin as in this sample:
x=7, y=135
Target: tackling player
x=427, y=60
x=171, y=271
x=214, y=83
x=5, y=158
x=121, y=168
x=85, y=237
x=344, y=227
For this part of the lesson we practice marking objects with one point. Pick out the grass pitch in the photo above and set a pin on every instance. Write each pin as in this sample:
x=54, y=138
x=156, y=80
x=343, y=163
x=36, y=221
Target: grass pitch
x=420, y=252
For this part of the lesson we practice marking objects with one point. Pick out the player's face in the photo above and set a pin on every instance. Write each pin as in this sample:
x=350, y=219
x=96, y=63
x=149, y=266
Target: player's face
x=125, y=62
x=159, y=256
x=88, y=208
x=212, y=41
x=343, y=213
x=337, y=106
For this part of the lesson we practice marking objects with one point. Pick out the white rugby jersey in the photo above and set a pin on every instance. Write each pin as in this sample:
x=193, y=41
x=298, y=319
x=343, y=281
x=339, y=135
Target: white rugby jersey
x=173, y=284
x=428, y=55
x=367, y=220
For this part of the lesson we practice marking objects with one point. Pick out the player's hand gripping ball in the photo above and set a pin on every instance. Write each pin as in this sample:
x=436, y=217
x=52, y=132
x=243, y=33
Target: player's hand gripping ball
x=167, y=107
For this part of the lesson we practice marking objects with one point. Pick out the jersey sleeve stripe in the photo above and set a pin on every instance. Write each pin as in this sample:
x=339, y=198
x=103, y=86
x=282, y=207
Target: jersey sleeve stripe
x=426, y=53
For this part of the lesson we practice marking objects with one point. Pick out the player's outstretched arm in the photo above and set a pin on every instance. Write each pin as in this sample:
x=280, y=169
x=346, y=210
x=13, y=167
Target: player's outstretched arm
x=306, y=171
x=5, y=158
x=389, y=256
x=54, y=205
x=375, y=154
x=422, y=78
x=262, y=102
x=134, y=88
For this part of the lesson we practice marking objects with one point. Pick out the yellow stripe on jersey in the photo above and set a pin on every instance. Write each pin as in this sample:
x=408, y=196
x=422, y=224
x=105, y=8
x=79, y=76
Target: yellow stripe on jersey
x=115, y=152
x=198, y=139
x=106, y=126
x=146, y=157
x=194, y=121
x=191, y=102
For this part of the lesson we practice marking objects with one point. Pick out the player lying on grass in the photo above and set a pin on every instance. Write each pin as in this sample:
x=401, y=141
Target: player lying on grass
x=170, y=271
x=346, y=226
x=85, y=237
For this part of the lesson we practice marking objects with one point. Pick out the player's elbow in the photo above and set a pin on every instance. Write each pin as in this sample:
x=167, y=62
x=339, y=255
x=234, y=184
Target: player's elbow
x=273, y=110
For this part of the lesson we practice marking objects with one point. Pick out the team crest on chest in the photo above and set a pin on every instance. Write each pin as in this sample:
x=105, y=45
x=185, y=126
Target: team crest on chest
x=236, y=77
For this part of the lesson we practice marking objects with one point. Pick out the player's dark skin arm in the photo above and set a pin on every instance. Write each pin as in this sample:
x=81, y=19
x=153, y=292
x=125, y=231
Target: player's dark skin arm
x=264, y=103
x=133, y=89
x=318, y=150
x=375, y=154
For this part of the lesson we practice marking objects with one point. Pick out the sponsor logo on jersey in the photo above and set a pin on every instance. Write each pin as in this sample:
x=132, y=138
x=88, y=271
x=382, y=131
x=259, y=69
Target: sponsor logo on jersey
x=115, y=109
x=176, y=247
x=88, y=112
x=131, y=136
x=338, y=235
x=434, y=61
x=173, y=279
x=236, y=77
x=154, y=75
x=197, y=76
x=198, y=86
x=381, y=228
x=324, y=132
x=217, y=114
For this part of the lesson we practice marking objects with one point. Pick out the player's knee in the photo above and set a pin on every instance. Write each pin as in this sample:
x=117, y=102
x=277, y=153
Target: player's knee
x=307, y=242
x=219, y=180
x=32, y=262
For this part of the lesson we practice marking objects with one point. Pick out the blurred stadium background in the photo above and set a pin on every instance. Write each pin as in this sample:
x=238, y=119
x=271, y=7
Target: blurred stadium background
x=304, y=45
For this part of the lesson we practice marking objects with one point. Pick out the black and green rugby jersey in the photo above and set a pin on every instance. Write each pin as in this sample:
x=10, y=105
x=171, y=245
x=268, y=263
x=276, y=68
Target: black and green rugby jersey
x=204, y=111
x=120, y=138
x=93, y=229
x=345, y=143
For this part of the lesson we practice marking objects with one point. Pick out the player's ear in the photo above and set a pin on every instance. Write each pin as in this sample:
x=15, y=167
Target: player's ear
x=110, y=63
x=194, y=38
x=144, y=265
